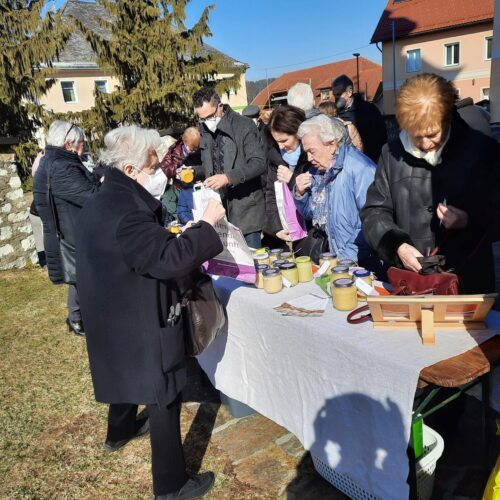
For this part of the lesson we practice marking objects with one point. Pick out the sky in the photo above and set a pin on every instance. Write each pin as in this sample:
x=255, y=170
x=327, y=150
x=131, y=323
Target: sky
x=277, y=36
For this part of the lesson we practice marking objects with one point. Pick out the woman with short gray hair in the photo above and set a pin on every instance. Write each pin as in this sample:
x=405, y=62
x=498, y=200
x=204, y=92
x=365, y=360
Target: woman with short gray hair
x=128, y=267
x=333, y=192
x=71, y=185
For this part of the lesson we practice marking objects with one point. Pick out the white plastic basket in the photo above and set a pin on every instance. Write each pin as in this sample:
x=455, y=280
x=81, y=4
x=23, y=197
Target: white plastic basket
x=426, y=467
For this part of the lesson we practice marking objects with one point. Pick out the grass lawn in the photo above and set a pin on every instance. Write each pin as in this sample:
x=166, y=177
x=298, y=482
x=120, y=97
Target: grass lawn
x=52, y=429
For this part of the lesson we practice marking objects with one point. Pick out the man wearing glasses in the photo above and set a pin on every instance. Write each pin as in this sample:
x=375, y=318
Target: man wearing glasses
x=232, y=162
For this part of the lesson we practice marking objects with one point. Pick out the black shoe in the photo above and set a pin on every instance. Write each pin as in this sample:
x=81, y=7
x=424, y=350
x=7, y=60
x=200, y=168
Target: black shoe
x=76, y=327
x=142, y=429
x=194, y=488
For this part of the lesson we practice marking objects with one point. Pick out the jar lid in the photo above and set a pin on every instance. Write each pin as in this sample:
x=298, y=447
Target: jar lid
x=278, y=263
x=271, y=272
x=286, y=255
x=275, y=251
x=346, y=262
x=301, y=260
x=327, y=255
x=339, y=270
x=361, y=273
x=262, y=250
x=343, y=282
x=288, y=265
x=260, y=256
x=261, y=267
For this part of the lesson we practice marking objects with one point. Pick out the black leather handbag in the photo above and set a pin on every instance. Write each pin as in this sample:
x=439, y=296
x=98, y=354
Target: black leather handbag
x=315, y=243
x=203, y=314
x=68, y=252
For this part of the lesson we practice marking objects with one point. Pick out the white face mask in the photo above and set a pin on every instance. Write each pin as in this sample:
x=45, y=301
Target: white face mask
x=212, y=123
x=155, y=182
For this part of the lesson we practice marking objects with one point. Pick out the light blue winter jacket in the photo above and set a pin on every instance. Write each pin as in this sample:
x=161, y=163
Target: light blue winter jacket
x=346, y=196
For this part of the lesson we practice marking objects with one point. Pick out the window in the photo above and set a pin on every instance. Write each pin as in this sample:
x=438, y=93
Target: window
x=102, y=86
x=452, y=54
x=485, y=93
x=68, y=90
x=488, y=42
x=325, y=95
x=413, y=60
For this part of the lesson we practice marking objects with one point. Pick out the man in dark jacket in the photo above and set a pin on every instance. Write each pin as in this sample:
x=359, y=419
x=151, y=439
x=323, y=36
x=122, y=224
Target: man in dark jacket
x=127, y=266
x=71, y=185
x=363, y=114
x=233, y=161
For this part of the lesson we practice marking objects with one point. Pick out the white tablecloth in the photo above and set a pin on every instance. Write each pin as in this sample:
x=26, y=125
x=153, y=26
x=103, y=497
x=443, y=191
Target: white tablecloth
x=345, y=391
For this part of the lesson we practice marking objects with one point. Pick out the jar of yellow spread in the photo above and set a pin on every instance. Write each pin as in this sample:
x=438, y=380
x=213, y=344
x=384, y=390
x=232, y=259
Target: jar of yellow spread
x=261, y=258
x=287, y=256
x=272, y=280
x=304, y=266
x=338, y=272
x=290, y=272
x=174, y=228
x=344, y=293
x=259, y=280
x=329, y=257
x=277, y=263
x=274, y=254
x=367, y=277
x=346, y=262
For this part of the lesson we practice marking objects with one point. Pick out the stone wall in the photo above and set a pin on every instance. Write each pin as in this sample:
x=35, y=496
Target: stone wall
x=17, y=245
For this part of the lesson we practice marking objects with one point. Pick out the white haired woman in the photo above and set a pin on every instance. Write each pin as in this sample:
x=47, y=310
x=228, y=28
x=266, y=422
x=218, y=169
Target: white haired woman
x=333, y=191
x=127, y=267
x=71, y=185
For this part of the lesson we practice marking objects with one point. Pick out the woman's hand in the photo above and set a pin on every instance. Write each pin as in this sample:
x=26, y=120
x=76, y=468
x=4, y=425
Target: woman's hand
x=284, y=174
x=408, y=256
x=452, y=217
x=284, y=235
x=302, y=183
x=213, y=213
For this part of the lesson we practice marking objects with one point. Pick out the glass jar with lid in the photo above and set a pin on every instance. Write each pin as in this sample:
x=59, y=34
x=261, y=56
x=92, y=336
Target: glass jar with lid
x=272, y=280
x=290, y=272
x=304, y=266
x=259, y=279
x=329, y=257
x=344, y=294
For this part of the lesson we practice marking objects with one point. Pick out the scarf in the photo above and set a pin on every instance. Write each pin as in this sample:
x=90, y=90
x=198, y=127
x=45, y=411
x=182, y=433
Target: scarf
x=319, y=194
x=292, y=158
x=432, y=157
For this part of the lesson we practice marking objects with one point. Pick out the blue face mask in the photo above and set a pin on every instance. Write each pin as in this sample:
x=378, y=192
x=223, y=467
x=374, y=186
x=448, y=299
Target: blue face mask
x=292, y=157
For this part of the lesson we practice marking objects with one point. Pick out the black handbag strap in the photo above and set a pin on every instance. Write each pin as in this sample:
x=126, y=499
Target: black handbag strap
x=52, y=205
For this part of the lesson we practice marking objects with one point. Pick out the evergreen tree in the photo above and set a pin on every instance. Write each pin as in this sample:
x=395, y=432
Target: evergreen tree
x=28, y=43
x=158, y=61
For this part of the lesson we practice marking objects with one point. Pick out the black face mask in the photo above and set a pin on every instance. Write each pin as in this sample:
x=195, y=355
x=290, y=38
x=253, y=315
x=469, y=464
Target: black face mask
x=341, y=103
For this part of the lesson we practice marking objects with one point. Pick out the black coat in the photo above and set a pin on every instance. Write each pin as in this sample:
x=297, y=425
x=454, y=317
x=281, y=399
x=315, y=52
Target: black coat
x=274, y=160
x=72, y=185
x=370, y=124
x=244, y=163
x=401, y=204
x=126, y=267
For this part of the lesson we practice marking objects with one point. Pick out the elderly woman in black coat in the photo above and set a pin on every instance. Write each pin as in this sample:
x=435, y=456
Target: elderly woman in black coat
x=71, y=185
x=127, y=266
x=437, y=184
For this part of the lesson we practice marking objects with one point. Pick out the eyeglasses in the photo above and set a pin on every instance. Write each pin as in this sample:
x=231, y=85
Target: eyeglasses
x=69, y=130
x=202, y=120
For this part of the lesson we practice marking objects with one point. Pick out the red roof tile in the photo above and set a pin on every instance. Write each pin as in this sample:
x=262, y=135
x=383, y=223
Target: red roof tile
x=320, y=77
x=420, y=16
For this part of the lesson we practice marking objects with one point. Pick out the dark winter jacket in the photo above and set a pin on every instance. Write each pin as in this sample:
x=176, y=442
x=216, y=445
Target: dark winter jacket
x=401, y=204
x=72, y=185
x=126, y=266
x=370, y=124
x=244, y=163
x=274, y=159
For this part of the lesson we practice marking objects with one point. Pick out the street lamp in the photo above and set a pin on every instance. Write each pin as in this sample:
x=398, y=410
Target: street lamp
x=356, y=55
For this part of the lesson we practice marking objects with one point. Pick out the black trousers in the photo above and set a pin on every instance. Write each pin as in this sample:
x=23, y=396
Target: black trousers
x=167, y=456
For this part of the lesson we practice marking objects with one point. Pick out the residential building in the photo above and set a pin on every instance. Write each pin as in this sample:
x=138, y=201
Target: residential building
x=451, y=38
x=320, y=78
x=78, y=74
